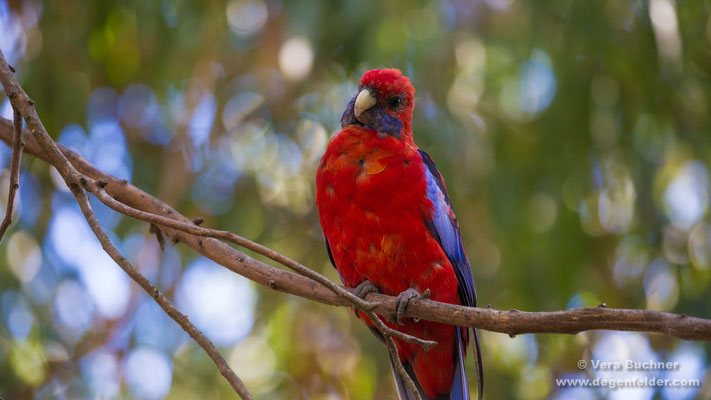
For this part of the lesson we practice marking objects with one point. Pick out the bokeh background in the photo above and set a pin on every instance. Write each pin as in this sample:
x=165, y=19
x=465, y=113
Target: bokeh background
x=574, y=137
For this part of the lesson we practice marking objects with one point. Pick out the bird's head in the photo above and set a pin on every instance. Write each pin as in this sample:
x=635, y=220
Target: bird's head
x=384, y=104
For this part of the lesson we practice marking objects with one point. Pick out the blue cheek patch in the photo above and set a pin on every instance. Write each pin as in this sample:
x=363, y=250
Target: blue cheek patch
x=384, y=123
x=378, y=120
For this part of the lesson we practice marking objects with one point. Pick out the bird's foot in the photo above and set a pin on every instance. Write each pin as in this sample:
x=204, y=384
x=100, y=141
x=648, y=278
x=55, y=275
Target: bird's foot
x=404, y=298
x=363, y=289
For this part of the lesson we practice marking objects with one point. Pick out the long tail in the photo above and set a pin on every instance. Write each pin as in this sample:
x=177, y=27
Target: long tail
x=479, y=366
x=403, y=391
x=460, y=387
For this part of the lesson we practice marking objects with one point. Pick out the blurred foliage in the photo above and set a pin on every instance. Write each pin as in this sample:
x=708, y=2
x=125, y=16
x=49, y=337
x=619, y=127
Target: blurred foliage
x=574, y=137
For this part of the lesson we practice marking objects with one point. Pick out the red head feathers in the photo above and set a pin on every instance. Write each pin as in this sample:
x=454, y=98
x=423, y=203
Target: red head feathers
x=384, y=103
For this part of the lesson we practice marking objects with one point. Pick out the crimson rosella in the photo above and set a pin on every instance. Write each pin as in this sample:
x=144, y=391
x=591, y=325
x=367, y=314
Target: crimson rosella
x=389, y=226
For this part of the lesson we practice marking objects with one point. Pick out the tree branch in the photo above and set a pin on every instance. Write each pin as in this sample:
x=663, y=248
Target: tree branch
x=17, y=145
x=512, y=322
x=24, y=106
x=81, y=177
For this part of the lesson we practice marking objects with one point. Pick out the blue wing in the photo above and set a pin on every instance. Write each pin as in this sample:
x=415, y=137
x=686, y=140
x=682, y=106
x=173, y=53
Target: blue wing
x=445, y=229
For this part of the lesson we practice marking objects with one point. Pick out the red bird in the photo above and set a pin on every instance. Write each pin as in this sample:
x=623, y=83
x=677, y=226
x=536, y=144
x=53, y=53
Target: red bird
x=389, y=226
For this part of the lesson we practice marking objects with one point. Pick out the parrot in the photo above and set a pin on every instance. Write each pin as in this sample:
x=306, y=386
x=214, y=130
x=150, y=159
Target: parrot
x=389, y=227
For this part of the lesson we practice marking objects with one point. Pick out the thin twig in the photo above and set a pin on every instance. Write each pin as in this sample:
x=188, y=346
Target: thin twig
x=25, y=106
x=388, y=334
x=162, y=301
x=388, y=331
x=17, y=146
x=392, y=349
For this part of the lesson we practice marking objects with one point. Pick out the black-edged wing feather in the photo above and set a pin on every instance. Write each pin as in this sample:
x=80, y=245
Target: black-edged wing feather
x=445, y=229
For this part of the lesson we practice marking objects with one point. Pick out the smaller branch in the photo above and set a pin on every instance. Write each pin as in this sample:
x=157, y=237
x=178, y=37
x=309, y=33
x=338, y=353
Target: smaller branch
x=162, y=301
x=17, y=148
x=388, y=334
x=392, y=349
x=388, y=331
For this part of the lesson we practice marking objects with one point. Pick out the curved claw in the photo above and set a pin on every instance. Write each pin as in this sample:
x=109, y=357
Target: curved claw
x=363, y=289
x=404, y=298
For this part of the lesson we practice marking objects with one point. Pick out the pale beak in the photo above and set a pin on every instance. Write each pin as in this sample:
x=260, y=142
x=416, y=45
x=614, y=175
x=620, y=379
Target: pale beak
x=364, y=101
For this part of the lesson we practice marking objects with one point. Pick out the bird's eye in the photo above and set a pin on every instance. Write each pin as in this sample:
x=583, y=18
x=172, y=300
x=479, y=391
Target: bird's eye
x=395, y=101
